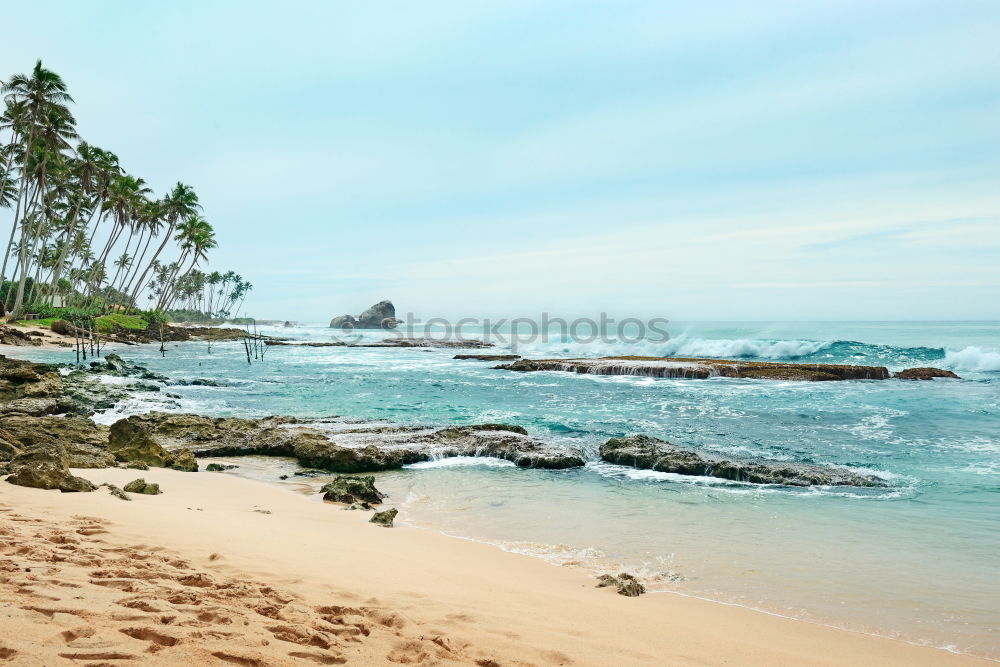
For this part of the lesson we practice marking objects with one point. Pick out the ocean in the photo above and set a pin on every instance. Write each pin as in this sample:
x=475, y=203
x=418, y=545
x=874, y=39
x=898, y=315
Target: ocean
x=917, y=560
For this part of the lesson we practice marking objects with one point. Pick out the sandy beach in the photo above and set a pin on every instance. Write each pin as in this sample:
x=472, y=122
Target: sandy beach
x=220, y=569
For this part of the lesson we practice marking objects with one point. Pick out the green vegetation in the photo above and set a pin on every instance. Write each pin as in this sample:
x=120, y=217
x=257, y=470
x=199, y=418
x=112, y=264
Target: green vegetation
x=108, y=323
x=86, y=237
x=45, y=322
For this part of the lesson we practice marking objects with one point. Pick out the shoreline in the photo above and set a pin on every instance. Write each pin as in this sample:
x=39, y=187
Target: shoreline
x=94, y=474
x=482, y=602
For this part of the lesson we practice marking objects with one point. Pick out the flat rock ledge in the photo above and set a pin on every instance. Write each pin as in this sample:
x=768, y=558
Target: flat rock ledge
x=488, y=357
x=156, y=438
x=670, y=367
x=392, y=342
x=924, y=374
x=649, y=453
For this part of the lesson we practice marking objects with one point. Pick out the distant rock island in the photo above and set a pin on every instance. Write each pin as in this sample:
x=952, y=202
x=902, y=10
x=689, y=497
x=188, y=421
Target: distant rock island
x=380, y=316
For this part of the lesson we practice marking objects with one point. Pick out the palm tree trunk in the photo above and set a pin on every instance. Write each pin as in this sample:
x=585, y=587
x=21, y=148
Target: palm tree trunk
x=142, y=280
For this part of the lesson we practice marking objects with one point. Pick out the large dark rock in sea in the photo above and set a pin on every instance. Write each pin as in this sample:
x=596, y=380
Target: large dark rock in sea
x=924, y=374
x=648, y=453
x=343, y=322
x=380, y=316
x=670, y=367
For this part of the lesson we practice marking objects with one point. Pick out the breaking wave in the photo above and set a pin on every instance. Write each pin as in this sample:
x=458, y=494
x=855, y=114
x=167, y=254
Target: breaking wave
x=973, y=359
x=820, y=351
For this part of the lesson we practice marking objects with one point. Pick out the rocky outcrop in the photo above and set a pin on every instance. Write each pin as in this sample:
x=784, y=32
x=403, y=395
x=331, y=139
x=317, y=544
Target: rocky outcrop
x=488, y=357
x=25, y=379
x=330, y=446
x=397, y=342
x=349, y=490
x=426, y=342
x=380, y=316
x=184, y=461
x=128, y=442
x=84, y=442
x=343, y=322
x=668, y=367
x=116, y=366
x=12, y=336
x=624, y=583
x=116, y=491
x=142, y=486
x=46, y=467
x=219, y=467
x=925, y=374
x=385, y=518
x=648, y=453
x=286, y=343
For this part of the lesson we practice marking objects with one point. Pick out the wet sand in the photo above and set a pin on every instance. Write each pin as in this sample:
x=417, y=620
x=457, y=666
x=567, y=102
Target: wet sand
x=224, y=570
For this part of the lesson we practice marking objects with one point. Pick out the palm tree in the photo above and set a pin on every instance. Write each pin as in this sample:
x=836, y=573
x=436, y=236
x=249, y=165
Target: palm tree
x=180, y=204
x=39, y=113
x=196, y=237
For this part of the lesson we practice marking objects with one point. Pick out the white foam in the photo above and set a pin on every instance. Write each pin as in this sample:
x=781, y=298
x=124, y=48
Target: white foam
x=462, y=461
x=972, y=359
x=681, y=346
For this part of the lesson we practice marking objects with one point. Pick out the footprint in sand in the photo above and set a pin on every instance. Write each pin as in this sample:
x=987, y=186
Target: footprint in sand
x=150, y=635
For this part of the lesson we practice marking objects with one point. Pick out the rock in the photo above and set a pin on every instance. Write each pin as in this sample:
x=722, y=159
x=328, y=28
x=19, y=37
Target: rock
x=648, y=453
x=380, y=316
x=488, y=357
x=63, y=328
x=129, y=442
x=184, y=461
x=625, y=583
x=116, y=366
x=925, y=374
x=10, y=446
x=40, y=407
x=385, y=518
x=45, y=467
x=84, y=442
x=425, y=342
x=218, y=467
x=351, y=449
x=352, y=490
x=358, y=506
x=25, y=379
x=320, y=452
x=668, y=367
x=114, y=362
x=12, y=336
x=377, y=316
x=309, y=344
x=343, y=322
x=140, y=486
x=116, y=491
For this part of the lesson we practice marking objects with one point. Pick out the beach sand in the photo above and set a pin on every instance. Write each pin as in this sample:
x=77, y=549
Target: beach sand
x=50, y=339
x=224, y=570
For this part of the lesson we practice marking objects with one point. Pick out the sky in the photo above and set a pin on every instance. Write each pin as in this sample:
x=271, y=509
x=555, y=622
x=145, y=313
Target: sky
x=694, y=161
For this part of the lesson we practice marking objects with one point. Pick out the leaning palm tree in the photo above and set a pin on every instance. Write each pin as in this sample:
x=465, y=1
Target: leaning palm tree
x=180, y=204
x=39, y=103
x=196, y=238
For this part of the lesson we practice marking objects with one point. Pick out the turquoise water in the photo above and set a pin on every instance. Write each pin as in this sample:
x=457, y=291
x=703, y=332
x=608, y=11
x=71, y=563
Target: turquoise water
x=916, y=560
